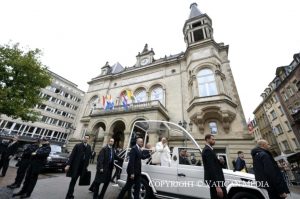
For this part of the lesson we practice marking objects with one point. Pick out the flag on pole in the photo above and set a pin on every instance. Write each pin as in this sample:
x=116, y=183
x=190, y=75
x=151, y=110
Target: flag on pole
x=124, y=101
x=250, y=126
x=109, y=103
x=103, y=102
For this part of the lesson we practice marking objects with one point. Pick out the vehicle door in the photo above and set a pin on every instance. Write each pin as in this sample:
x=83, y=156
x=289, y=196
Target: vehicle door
x=190, y=174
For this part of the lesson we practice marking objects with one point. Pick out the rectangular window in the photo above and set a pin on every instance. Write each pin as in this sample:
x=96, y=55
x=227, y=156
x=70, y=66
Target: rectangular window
x=286, y=145
x=49, y=133
x=44, y=118
x=279, y=129
x=290, y=91
x=31, y=129
x=197, y=24
x=296, y=143
x=281, y=110
x=198, y=35
x=17, y=126
x=288, y=126
x=274, y=116
x=284, y=96
x=8, y=125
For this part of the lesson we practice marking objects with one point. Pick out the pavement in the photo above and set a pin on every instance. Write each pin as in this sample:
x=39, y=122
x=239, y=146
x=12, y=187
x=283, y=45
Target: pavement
x=55, y=185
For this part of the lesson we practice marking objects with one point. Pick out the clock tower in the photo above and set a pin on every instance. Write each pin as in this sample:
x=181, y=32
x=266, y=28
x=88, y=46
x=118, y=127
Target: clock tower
x=145, y=58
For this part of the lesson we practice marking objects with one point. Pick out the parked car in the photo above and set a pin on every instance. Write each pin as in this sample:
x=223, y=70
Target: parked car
x=182, y=180
x=56, y=159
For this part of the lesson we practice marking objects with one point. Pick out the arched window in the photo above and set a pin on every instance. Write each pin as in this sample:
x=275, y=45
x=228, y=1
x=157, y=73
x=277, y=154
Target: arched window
x=140, y=95
x=213, y=127
x=206, y=83
x=157, y=93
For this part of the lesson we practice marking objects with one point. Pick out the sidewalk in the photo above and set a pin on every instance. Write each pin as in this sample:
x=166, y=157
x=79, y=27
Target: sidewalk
x=56, y=188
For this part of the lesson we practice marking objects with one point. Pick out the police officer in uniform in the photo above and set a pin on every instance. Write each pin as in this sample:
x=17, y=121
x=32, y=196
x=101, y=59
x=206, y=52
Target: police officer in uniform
x=7, y=154
x=24, y=164
x=38, y=159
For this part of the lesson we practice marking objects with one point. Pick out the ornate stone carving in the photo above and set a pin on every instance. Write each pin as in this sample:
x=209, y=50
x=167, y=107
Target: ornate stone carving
x=225, y=117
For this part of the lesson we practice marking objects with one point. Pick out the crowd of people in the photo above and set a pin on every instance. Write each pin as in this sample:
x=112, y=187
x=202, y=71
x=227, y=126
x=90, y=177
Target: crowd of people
x=265, y=168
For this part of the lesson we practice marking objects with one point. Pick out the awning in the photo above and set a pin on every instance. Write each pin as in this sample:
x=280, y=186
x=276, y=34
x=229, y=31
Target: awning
x=295, y=157
x=283, y=156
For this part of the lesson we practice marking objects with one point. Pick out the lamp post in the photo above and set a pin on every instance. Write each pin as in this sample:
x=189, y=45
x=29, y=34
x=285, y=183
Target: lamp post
x=184, y=125
x=69, y=130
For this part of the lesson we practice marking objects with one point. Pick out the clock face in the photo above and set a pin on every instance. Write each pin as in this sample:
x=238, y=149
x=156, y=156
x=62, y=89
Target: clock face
x=144, y=61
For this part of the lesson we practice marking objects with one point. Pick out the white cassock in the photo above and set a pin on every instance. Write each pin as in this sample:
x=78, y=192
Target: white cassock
x=164, y=151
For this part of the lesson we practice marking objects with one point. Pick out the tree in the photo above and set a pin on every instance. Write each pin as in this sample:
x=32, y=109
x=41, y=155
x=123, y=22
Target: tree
x=22, y=76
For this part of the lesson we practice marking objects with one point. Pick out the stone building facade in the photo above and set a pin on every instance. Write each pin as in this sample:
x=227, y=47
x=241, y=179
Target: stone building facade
x=58, y=113
x=265, y=129
x=194, y=87
x=280, y=104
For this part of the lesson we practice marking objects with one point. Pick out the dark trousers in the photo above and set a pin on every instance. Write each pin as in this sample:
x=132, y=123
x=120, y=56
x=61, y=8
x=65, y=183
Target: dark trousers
x=137, y=182
x=273, y=194
x=4, y=162
x=72, y=185
x=96, y=190
x=31, y=178
x=213, y=193
x=73, y=181
x=24, y=164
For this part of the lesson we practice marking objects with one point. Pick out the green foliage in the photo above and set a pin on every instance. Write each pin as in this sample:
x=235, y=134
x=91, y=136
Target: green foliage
x=22, y=76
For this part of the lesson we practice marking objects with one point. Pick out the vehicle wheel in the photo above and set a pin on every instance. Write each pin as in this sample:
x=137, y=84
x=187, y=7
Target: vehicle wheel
x=145, y=190
x=244, y=195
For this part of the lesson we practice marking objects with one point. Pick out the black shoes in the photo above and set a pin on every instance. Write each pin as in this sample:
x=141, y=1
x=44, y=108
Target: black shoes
x=25, y=196
x=13, y=186
x=91, y=189
x=69, y=197
x=18, y=194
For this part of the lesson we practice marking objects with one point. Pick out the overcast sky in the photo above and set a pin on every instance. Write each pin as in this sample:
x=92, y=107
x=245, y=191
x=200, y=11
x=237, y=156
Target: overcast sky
x=78, y=37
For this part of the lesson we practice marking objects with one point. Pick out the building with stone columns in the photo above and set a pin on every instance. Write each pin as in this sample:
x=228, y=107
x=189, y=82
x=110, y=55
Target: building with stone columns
x=195, y=88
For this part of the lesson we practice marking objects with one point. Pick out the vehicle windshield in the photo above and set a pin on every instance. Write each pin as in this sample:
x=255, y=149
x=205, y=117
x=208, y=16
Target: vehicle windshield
x=152, y=131
x=55, y=149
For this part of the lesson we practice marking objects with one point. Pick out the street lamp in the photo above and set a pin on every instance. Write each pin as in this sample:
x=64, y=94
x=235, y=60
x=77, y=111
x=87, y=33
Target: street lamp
x=184, y=125
x=69, y=131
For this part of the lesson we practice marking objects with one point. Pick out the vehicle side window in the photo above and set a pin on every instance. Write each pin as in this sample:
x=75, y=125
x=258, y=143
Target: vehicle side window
x=126, y=159
x=189, y=157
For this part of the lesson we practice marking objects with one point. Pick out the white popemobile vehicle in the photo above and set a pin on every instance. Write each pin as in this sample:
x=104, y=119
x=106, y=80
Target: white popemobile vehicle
x=181, y=180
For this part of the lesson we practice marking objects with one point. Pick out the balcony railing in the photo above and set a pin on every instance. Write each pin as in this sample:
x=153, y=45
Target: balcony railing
x=134, y=107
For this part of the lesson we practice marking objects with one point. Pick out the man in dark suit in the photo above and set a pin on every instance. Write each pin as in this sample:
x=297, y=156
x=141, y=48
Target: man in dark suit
x=213, y=173
x=267, y=172
x=38, y=159
x=105, y=165
x=134, y=169
x=78, y=163
x=24, y=164
x=7, y=154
